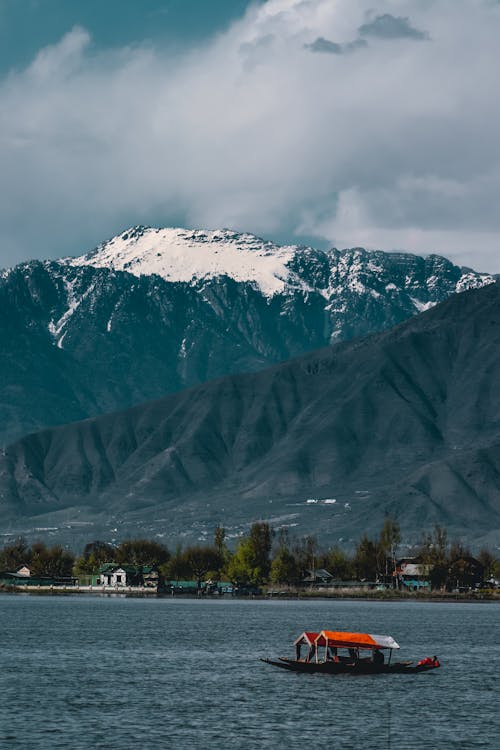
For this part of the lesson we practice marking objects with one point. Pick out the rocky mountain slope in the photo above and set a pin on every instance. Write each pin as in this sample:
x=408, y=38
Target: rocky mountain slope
x=406, y=422
x=155, y=310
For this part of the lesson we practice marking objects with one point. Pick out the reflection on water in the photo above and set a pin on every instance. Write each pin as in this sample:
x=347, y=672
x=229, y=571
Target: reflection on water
x=91, y=672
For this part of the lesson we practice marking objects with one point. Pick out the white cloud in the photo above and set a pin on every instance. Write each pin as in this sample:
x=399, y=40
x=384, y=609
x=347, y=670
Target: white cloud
x=393, y=145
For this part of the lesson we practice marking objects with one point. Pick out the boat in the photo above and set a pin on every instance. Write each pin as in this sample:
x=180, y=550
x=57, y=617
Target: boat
x=336, y=652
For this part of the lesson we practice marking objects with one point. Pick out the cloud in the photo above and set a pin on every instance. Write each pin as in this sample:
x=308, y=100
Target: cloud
x=324, y=45
x=395, y=147
x=391, y=27
x=332, y=48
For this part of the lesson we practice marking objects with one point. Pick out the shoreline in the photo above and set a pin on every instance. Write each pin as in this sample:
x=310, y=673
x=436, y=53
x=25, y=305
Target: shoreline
x=143, y=592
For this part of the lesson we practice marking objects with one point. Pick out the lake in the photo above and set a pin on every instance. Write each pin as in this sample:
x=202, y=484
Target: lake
x=82, y=672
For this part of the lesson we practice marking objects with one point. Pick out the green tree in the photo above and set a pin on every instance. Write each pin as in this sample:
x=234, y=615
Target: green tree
x=366, y=559
x=338, y=563
x=176, y=568
x=284, y=567
x=94, y=555
x=251, y=561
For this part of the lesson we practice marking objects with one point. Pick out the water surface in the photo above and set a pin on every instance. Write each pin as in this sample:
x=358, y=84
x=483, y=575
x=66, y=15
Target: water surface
x=99, y=672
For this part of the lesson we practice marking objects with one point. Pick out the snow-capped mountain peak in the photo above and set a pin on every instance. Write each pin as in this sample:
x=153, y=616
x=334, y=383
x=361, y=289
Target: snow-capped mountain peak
x=193, y=256
x=181, y=255
x=153, y=310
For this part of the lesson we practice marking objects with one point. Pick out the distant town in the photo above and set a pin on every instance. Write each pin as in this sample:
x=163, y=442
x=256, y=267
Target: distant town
x=265, y=562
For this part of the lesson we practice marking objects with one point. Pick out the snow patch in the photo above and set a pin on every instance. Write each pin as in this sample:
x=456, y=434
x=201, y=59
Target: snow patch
x=471, y=280
x=74, y=303
x=422, y=306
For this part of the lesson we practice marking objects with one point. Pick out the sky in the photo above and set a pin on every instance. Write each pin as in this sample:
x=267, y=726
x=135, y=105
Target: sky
x=339, y=123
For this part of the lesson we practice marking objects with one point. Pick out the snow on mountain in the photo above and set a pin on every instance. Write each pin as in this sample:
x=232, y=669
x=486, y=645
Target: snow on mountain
x=182, y=255
x=153, y=311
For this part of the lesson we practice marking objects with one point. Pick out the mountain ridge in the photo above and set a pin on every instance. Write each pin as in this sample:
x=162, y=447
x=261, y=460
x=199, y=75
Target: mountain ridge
x=80, y=340
x=406, y=421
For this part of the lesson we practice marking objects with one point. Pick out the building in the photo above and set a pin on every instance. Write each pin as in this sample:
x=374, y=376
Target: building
x=413, y=574
x=113, y=574
x=318, y=577
x=8, y=578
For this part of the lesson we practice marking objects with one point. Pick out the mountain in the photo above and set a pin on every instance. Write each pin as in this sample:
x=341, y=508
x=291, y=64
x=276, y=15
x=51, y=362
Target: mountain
x=155, y=310
x=405, y=422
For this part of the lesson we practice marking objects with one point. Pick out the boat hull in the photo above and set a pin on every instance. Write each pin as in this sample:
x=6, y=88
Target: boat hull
x=360, y=667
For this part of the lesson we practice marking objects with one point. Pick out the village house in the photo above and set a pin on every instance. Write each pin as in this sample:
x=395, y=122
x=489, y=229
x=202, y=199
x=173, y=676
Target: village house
x=318, y=577
x=412, y=573
x=113, y=574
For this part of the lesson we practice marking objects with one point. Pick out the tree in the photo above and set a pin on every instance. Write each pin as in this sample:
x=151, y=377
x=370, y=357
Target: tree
x=306, y=551
x=15, y=554
x=55, y=561
x=176, y=568
x=338, y=564
x=389, y=540
x=488, y=561
x=261, y=539
x=142, y=552
x=94, y=555
x=251, y=561
x=220, y=540
x=199, y=560
x=434, y=554
x=284, y=567
x=366, y=559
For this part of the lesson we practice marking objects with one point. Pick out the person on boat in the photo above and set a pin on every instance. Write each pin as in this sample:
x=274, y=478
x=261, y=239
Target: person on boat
x=378, y=656
x=332, y=654
x=354, y=654
x=312, y=652
x=429, y=661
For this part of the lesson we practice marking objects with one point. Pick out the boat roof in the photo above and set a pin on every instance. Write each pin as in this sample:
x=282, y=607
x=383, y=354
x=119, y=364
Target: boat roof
x=354, y=640
x=307, y=637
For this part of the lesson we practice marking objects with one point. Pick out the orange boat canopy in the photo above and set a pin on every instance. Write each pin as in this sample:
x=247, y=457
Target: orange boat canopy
x=354, y=640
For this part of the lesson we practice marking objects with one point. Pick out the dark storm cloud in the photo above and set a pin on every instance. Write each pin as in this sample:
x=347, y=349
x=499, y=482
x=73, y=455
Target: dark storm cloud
x=391, y=27
x=323, y=45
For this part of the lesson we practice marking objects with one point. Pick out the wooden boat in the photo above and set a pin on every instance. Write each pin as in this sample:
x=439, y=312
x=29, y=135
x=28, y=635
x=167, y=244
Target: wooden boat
x=360, y=653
